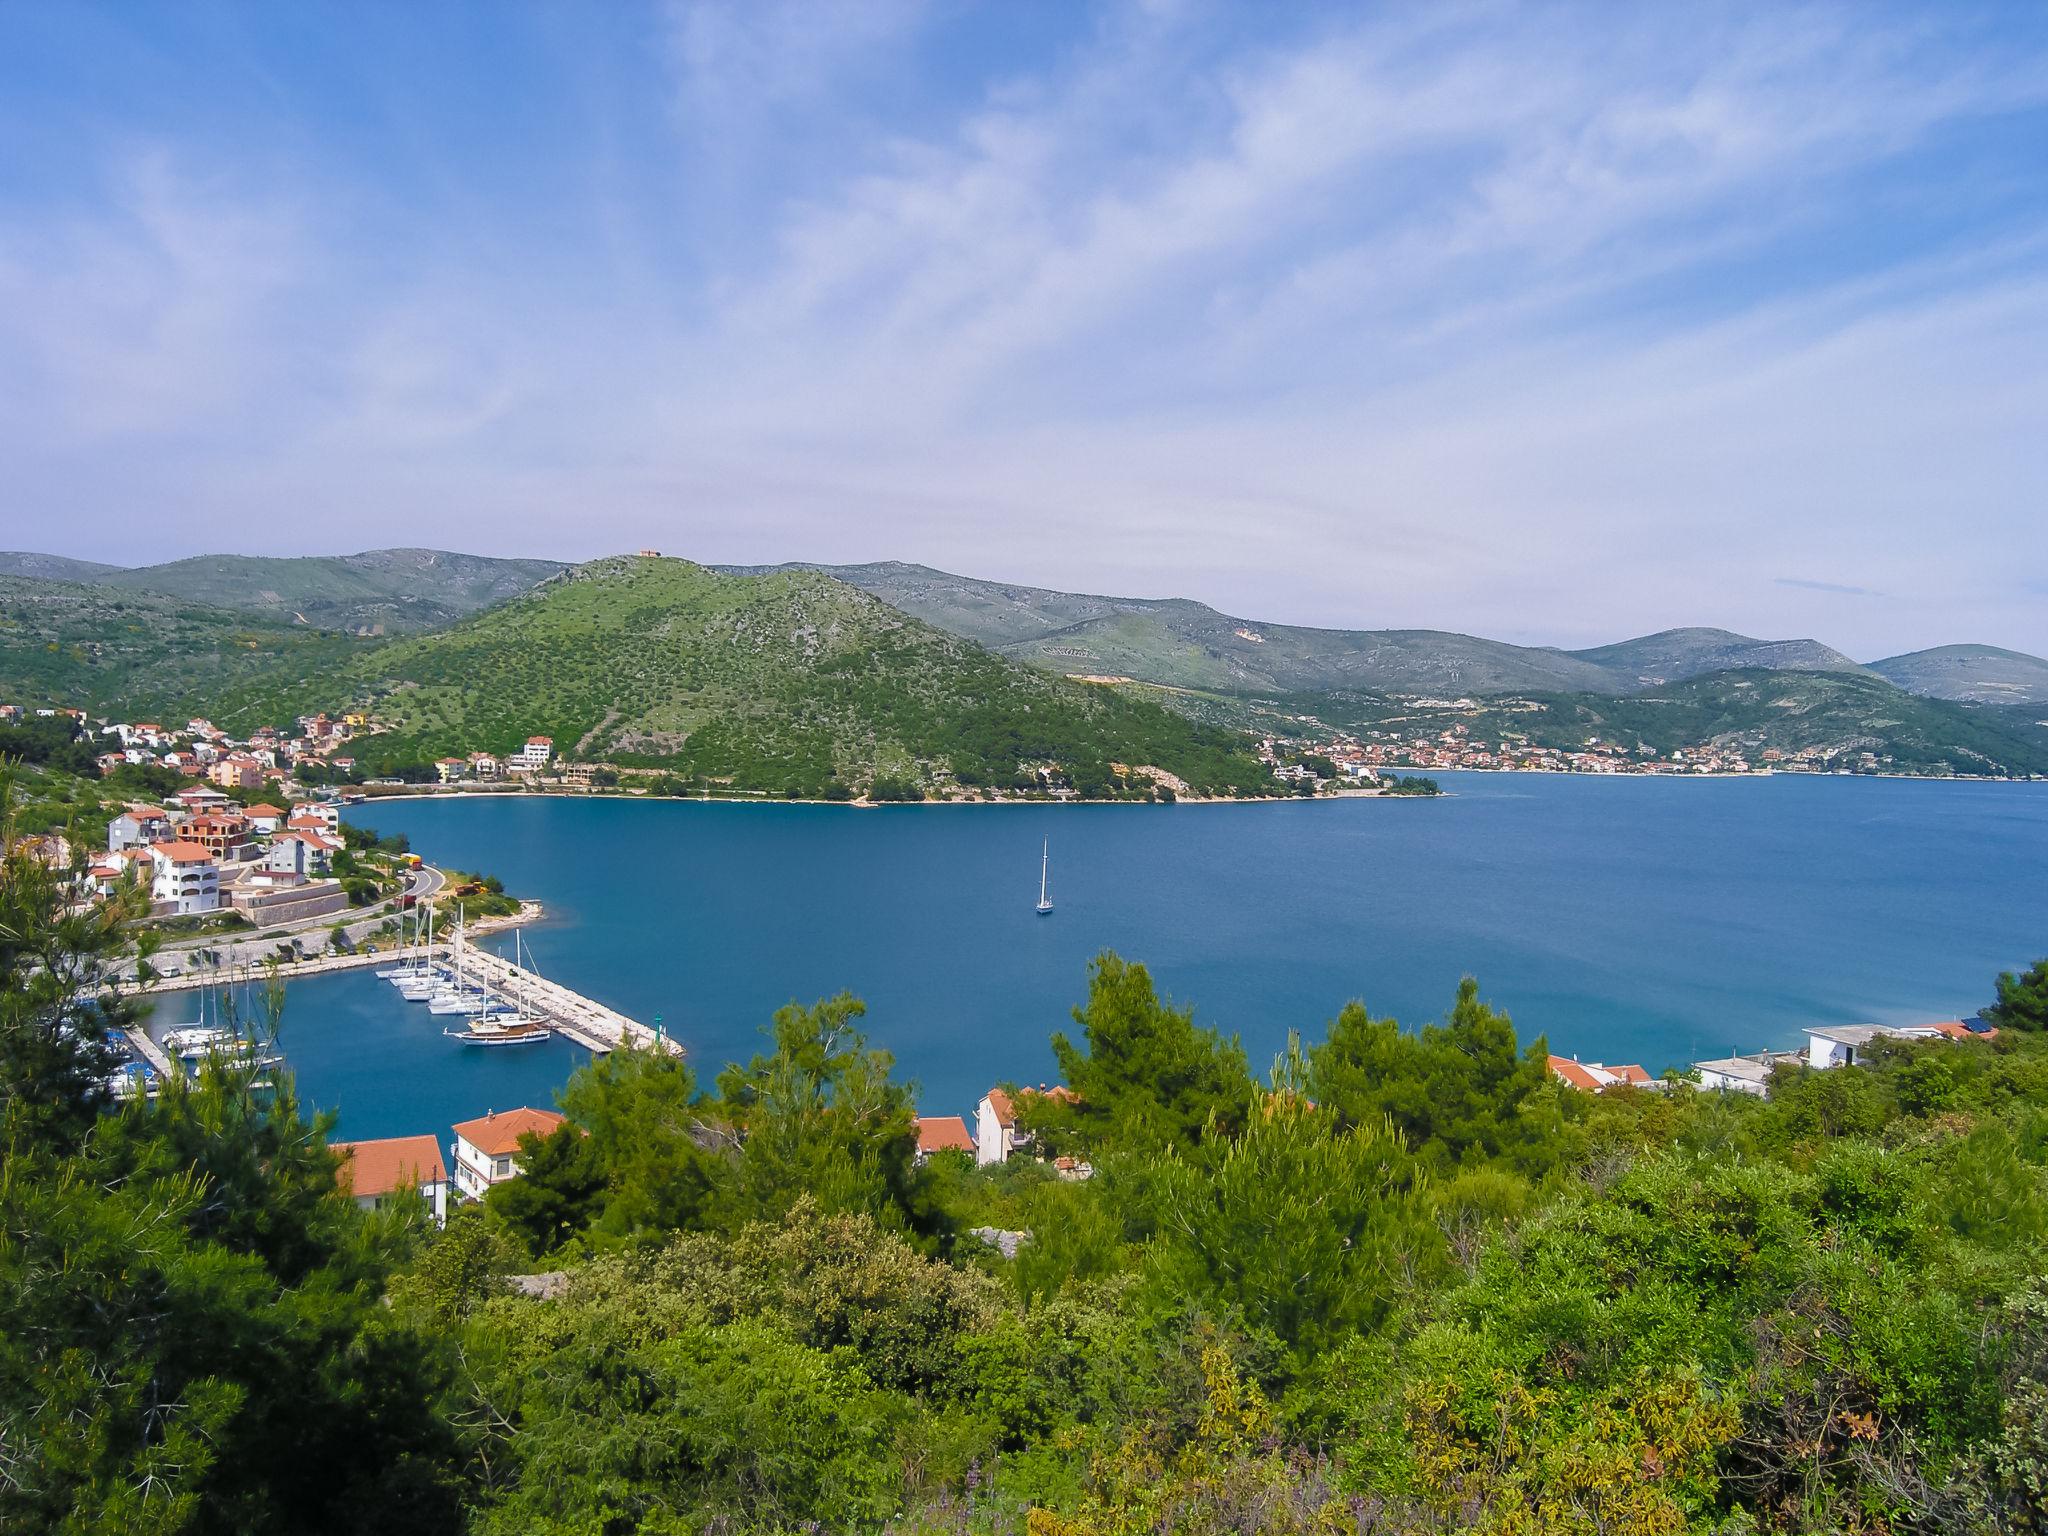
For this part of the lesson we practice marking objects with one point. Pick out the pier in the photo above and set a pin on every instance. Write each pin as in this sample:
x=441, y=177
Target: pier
x=570, y=1013
x=588, y=1022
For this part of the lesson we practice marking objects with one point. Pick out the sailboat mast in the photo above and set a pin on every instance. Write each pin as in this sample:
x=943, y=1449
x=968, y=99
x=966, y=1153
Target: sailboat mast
x=1044, y=867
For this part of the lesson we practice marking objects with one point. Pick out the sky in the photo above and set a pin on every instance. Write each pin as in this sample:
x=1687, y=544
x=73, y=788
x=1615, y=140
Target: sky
x=1552, y=323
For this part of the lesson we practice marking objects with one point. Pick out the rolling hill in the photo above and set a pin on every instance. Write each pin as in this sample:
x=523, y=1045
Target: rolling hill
x=379, y=591
x=1178, y=643
x=789, y=681
x=137, y=654
x=1978, y=674
x=1676, y=654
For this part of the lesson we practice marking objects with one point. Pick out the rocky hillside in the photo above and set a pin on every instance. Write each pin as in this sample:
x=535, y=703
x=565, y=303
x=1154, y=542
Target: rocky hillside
x=787, y=681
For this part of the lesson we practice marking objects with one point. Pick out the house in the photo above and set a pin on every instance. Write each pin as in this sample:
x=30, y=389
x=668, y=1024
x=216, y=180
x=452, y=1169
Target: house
x=137, y=827
x=1741, y=1074
x=221, y=833
x=374, y=1171
x=996, y=1135
x=1592, y=1077
x=186, y=880
x=942, y=1133
x=289, y=857
x=238, y=772
x=486, y=1151
x=537, y=753
x=266, y=818
x=483, y=765
x=1836, y=1045
x=198, y=798
x=317, y=817
x=449, y=768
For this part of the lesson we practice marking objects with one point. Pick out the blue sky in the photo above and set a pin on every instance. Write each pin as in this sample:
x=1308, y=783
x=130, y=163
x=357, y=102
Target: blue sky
x=1554, y=323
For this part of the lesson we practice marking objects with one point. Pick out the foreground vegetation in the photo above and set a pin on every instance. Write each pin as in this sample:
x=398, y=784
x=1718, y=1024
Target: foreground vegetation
x=1401, y=1283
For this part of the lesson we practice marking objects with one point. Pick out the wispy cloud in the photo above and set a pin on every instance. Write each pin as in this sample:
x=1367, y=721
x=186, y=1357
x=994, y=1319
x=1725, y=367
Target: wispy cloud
x=1555, y=324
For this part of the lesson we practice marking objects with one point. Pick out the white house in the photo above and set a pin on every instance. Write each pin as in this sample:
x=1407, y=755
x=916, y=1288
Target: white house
x=1738, y=1074
x=450, y=768
x=1837, y=1045
x=486, y=1151
x=996, y=1134
x=136, y=827
x=483, y=765
x=536, y=753
x=374, y=1171
x=187, y=879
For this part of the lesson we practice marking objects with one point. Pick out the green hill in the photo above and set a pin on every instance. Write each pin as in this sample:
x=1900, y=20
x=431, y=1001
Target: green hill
x=789, y=681
x=136, y=654
x=1841, y=715
x=380, y=591
x=1978, y=674
x=1183, y=644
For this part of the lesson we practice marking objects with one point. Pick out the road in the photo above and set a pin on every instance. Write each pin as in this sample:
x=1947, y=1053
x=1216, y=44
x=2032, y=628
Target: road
x=173, y=959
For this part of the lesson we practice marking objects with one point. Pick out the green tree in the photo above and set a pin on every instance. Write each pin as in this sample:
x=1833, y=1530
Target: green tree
x=821, y=1115
x=2022, y=999
x=1150, y=1076
x=558, y=1191
x=1456, y=1091
x=645, y=1136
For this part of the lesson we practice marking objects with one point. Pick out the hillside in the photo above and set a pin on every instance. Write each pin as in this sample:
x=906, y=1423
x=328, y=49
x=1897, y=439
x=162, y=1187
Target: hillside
x=1183, y=644
x=1676, y=654
x=784, y=682
x=1978, y=674
x=380, y=591
x=1838, y=715
x=52, y=567
x=136, y=654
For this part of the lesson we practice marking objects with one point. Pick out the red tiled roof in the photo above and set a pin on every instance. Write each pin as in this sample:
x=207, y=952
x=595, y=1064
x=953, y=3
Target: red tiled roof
x=1005, y=1109
x=266, y=810
x=498, y=1133
x=1631, y=1073
x=180, y=851
x=1955, y=1029
x=1574, y=1075
x=384, y=1167
x=943, y=1133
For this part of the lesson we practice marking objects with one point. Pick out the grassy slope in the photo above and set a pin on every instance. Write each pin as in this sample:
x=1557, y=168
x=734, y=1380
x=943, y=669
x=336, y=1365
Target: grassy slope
x=777, y=681
x=136, y=654
x=388, y=590
x=1184, y=644
x=1753, y=709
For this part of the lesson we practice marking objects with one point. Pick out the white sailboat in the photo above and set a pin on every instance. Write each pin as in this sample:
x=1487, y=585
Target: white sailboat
x=1044, y=873
x=504, y=1021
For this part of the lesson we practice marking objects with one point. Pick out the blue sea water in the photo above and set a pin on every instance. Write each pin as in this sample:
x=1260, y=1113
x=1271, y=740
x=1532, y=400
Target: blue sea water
x=1628, y=919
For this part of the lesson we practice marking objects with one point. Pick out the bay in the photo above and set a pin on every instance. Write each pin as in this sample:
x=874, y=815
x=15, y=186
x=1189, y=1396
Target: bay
x=1627, y=919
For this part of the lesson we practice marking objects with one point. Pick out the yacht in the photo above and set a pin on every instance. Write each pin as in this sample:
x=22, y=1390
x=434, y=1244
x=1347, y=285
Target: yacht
x=1044, y=871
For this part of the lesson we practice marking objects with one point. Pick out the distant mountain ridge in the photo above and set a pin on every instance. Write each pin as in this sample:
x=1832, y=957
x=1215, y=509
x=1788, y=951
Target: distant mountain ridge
x=1179, y=643
x=389, y=591
x=1971, y=674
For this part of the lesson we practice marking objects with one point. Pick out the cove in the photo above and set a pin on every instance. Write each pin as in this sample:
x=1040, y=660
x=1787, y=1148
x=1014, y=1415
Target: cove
x=1628, y=919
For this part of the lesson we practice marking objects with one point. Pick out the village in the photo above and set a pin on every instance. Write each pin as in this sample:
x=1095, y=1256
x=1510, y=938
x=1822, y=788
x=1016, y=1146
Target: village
x=1360, y=754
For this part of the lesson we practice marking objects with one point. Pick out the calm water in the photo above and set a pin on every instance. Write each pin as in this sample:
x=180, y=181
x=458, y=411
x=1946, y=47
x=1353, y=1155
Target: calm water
x=1629, y=919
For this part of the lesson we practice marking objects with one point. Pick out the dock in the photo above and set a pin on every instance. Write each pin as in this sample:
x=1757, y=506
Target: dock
x=588, y=1022
x=567, y=1012
x=151, y=1052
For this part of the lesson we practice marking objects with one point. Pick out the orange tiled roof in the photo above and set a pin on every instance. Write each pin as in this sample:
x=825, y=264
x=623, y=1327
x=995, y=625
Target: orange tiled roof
x=498, y=1133
x=395, y=1163
x=943, y=1133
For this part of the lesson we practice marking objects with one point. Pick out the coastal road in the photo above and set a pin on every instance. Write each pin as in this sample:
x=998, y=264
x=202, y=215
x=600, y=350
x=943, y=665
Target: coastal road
x=239, y=950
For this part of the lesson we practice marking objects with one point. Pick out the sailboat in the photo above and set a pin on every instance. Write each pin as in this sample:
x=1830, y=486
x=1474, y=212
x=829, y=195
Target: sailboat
x=1044, y=871
x=504, y=1021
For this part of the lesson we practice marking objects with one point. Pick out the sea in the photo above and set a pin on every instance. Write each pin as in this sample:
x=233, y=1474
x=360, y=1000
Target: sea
x=1625, y=919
